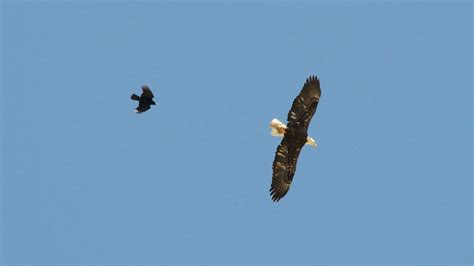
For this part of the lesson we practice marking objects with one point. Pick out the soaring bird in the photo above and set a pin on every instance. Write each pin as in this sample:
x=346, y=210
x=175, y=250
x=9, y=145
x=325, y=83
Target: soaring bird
x=295, y=136
x=144, y=101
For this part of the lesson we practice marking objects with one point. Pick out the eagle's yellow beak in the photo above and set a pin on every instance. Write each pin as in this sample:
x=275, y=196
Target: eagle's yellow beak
x=310, y=141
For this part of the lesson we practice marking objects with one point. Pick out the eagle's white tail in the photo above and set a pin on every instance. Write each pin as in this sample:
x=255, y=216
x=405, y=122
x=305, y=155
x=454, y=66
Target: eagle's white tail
x=277, y=127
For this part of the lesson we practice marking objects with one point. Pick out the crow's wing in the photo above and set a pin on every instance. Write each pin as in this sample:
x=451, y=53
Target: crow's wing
x=142, y=108
x=146, y=92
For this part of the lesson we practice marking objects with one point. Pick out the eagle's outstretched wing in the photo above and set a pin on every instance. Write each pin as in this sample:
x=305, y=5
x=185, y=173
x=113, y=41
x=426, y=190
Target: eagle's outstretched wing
x=287, y=153
x=305, y=104
x=284, y=167
x=146, y=92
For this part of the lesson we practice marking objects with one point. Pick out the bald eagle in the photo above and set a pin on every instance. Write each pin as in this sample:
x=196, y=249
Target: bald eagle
x=144, y=101
x=295, y=136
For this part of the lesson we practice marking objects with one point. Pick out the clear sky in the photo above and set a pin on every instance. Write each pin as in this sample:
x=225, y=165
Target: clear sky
x=86, y=180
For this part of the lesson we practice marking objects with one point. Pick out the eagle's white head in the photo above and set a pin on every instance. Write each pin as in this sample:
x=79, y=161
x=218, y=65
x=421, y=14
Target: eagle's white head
x=310, y=141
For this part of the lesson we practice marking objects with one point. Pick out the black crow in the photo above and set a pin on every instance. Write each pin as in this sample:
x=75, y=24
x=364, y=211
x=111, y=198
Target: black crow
x=144, y=101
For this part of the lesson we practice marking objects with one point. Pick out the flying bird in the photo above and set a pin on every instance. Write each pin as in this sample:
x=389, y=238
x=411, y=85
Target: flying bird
x=144, y=101
x=295, y=136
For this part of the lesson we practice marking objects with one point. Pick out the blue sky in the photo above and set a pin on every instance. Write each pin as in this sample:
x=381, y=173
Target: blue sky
x=86, y=180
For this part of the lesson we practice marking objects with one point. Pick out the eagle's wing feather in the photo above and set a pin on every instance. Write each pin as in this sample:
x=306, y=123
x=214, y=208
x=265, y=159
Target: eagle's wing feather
x=284, y=167
x=147, y=92
x=305, y=104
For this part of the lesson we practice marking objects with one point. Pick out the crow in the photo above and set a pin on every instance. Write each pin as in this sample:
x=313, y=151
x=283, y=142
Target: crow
x=144, y=101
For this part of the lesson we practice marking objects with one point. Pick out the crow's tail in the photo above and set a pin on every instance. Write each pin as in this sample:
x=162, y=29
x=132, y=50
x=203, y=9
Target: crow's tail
x=135, y=97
